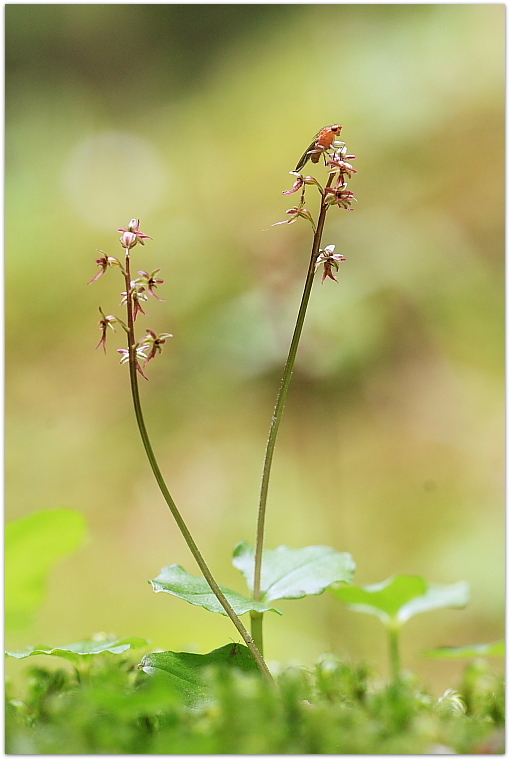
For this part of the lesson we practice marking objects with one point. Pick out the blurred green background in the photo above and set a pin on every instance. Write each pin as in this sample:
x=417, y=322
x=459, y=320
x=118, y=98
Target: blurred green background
x=189, y=117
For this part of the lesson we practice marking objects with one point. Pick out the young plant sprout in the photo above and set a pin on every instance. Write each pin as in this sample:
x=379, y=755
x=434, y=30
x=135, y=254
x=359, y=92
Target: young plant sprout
x=399, y=598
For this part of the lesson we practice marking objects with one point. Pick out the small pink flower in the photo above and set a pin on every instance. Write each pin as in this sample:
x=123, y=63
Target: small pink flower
x=103, y=263
x=151, y=281
x=338, y=196
x=295, y=213
x=298, y=184
x=138, y=294
x=139, y=354
x=132, y=235
x=154, y=343
x=331, y=260
x=105, y=323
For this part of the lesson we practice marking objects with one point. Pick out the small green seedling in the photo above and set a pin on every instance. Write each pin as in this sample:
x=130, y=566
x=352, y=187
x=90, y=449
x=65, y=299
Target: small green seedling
x=399, y=598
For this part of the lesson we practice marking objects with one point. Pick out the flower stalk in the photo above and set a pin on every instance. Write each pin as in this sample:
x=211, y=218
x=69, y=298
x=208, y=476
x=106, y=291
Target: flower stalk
x=133, y=355
x=334, y=193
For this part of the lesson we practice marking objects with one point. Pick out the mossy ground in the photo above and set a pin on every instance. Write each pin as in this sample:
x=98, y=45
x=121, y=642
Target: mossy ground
x=112, y=707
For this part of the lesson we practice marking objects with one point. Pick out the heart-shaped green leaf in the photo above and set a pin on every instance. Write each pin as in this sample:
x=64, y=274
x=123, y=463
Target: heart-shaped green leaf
x=185, y=669
x=294, y=573
x=495, y=649
x=400, y=597
x=84, y=649
x=33, y=545
x=175, y=580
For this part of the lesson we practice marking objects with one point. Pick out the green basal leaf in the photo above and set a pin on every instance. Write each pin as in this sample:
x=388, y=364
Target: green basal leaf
x=454, y=596
x=175, y=580
x=84, y=649
x=185, y=669
x=495, y=649
x=400, y=597
x=33, y=545
x=294, y=573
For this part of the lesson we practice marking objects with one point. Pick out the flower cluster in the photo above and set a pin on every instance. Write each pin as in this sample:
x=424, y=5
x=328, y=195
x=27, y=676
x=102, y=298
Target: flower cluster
x=137, y=293
x=335, y=193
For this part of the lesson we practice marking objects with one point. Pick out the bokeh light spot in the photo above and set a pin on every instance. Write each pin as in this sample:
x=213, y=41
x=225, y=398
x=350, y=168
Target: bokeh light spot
x=114, y=176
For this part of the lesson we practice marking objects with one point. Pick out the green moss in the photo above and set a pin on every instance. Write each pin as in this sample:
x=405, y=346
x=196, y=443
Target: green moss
x=332, y=708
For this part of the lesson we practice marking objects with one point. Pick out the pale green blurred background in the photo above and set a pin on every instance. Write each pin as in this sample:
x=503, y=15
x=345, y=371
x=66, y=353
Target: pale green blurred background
x=190, y=117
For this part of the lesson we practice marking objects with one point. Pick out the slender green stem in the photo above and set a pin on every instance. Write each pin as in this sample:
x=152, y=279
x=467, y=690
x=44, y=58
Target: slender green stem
x=166, y=494
x=256, y=619
x=256, y=624
x=393, y=633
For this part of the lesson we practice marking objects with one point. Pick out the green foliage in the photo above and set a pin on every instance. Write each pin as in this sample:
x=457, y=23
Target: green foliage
x=400, y=597
x=294, y=573
x=33, y=545
x=331, y=708
x=84, y=650
x=185, y=670
x=495, y=649
x=175, y=580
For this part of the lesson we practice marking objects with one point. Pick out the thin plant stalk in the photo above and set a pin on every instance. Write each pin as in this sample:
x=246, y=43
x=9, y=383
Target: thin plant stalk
x=256, y=618
x=394, y=644
x=165, y=492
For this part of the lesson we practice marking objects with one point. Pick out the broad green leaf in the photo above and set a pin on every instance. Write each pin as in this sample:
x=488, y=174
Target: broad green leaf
x=84, y=649
x=185, y=669
x=495, y=649
x=175, y=580
x=33, y=545
x=294, y=573
x=400, y=597
x=454, y=595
